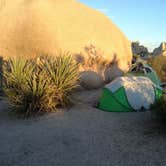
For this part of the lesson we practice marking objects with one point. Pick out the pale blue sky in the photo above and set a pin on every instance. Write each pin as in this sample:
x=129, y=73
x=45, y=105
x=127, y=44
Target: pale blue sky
x=140, y=20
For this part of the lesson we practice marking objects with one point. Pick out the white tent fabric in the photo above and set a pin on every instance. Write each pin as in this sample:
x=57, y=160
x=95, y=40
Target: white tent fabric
x=139, y=90
x=140, y=95
x=127, y=81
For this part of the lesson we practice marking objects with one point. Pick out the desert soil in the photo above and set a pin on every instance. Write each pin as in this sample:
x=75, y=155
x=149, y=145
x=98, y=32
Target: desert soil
x=82, y=136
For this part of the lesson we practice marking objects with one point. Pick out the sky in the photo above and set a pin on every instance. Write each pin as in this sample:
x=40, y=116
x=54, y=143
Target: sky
x=140, y=20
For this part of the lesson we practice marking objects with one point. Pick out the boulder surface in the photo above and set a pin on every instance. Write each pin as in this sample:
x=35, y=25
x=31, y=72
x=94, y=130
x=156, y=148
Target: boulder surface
x=36, y=27
x=161, y=50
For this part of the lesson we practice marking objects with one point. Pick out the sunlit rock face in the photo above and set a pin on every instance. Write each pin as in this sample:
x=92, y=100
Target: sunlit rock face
x=41, y=27
x=161, y=50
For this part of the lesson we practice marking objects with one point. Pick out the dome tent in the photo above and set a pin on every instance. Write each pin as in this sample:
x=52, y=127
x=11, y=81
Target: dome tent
x=126, y=94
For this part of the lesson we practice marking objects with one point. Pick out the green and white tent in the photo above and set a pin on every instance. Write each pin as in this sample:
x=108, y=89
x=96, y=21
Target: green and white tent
x=129, y=93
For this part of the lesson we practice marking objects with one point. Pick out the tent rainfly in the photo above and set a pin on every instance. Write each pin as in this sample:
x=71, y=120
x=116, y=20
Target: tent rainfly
x=126, y=94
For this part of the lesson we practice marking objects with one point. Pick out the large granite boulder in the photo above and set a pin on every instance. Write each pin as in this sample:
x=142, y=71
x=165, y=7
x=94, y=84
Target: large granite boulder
x=161, y=50
x=37, y=27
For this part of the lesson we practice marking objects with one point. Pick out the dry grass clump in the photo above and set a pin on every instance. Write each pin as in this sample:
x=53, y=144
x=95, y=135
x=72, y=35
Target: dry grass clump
x=40, y=85
x=94, y=60
x=159, y=65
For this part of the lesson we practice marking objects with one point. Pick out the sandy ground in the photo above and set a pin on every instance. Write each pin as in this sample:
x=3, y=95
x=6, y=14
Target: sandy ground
x=82, y=136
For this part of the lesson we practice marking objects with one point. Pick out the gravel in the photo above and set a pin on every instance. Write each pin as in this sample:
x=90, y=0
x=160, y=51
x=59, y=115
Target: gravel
x=82, y=136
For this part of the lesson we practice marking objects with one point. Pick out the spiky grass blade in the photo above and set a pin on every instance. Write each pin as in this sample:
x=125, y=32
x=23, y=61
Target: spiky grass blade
x=32, y=87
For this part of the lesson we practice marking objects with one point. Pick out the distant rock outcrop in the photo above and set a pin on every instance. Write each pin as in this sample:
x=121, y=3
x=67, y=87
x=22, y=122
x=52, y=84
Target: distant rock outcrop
x=161, y=50
x=140, y=50
x=41, y=27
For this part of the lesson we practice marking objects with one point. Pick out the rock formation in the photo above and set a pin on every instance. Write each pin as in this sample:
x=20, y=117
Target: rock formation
x=138, y=49
x=161, y=50
x=36, y=27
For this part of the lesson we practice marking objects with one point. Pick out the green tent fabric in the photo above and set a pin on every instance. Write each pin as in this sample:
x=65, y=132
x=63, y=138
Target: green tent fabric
x=147, y=71
x=130, y=93
x=152, y=75
x=114, y=102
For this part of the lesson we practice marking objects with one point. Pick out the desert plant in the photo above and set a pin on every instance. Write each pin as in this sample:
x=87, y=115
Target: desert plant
x=64, y=75
x=26, y=86
x=15, y=79
x=94, y=60
x=34, y=87
x=159, y=65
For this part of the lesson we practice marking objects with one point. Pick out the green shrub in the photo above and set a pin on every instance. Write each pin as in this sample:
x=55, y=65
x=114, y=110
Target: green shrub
x=64, y=75
x=26, y=86
x=40, y=85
